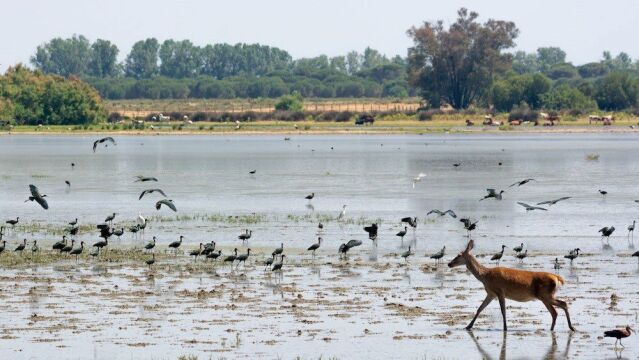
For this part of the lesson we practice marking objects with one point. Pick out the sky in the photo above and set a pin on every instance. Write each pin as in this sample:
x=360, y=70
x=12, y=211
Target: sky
x=306, y=28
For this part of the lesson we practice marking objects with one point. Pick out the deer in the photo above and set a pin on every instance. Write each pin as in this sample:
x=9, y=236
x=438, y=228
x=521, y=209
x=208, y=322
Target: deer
x=519, y=285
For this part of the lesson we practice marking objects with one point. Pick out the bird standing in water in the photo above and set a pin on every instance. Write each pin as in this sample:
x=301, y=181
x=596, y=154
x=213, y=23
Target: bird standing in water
x=619, y=334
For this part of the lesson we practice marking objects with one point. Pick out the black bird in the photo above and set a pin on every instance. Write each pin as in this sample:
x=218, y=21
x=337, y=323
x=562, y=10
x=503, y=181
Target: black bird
x=231, y=258
x=35, y=196
x=442, y=213
x=557, y=265
x=101, y=244
x=410, y=221
x=310, y=197
x=492, y=193
x=603, y=192
x=252, y=172
x=141, y=178
x=247, y=235
x=242, y=258
x=72, y=166
x=151, y=261
x=315, y=246
x=521, y=256
x=166, y=202
x=469, y=225
x=176, y=244
x=631, y=229
x=77, y=251
x=619, y=334
x=214, y=255
x=150, y=245
x=268, y=262
x=497, y=257
x=100, y=141
x=438, y=256
x=402, y=233
x=118, y=233
x=21, y=247
x=553, y=202
x=636, y=254
x=110, y=218
x=60, y=244
x=343, y=250
x=67, y=248
x=523, y=182
x=150, y=191
x=12, y=222
x=353, y=243
x=320, y=225
x=4, y=246
x=530, y=207
x=372, y=231
x=34, y=248
x=606, y=232
x=457, y=164
x=572, y=255
x=279, y=250
x=519, y=248
x=197, y=252
x=407, y=253
x=208, y=248
x=73, y=231
x=67, y=182
x=278, y=266
x=74, y=222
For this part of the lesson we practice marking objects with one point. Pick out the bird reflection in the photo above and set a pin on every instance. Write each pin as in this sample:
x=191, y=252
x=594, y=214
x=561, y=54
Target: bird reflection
x=372, y=254
x=310, y=207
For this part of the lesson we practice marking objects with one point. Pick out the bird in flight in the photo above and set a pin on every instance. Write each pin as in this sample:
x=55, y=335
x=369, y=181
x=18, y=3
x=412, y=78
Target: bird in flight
x=553, y=202
x=35, y=196
x=165, y=202
x=523, y=182
x=141, y=178
x=493, y=194
x=530, y=207
x=442, y=213
x=150, y=191
x=418, y=178
x=100, y=141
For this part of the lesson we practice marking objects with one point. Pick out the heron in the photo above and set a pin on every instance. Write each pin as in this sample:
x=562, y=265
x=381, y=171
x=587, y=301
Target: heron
x=342, y=214
x=103, y=140
x=37, y=197
x=442, y=213
x=151, y=191
x=531, y=207
x=166, y=202
x=315, y=246
x=141, y=178
x=553, y=202
x=492, y=193
x=523, y=182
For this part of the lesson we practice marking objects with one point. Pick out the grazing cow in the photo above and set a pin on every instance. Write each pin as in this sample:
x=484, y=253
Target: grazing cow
x=469, y=123
x=365, y=119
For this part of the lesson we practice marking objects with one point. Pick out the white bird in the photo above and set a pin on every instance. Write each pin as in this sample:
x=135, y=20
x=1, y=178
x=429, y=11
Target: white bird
x=342, y=214
x=419, y=177
x=141, y=219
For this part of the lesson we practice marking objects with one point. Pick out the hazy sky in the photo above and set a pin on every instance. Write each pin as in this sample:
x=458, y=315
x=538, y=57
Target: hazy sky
x=583, y=28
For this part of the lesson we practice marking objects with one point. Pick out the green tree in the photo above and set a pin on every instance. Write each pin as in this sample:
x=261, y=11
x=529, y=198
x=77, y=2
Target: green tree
x=516, y=89
x=617, y=91
x=63, y=56
x=142, y=61
x=103, y=61
x=458, y=65
x=566, y=97
x=593, y=69
x=179, y=59
x=548, y=57
x=524, y=62
x=561, y=71
x=292, y=102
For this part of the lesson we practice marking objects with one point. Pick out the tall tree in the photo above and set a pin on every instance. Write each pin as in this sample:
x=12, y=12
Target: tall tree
x=457, y=65
x=142, y=61
x=63, y=56
x=179, y=59
x=103, y=61
x=548, y=57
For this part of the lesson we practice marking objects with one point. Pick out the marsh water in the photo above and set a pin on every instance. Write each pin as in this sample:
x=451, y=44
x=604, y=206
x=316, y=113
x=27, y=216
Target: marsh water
x=372, y=306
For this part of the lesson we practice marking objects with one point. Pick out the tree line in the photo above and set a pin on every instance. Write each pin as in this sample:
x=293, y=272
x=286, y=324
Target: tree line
x=180, y=69
x=468, y=64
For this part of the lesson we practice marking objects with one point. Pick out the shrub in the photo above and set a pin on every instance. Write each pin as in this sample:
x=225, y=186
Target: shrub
x=523, y=113
x=427, y=115
x=114, y=117
x=344, y=116
x=293, y=102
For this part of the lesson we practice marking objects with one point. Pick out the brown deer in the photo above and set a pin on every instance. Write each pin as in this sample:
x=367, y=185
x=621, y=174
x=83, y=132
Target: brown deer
x=518, y=285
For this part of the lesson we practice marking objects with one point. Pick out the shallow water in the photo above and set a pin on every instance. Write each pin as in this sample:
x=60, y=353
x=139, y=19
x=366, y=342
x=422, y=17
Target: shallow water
x=346, y=315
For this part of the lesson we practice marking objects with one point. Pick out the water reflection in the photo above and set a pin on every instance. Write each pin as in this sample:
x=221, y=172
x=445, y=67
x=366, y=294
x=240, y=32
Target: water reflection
x=550, y=354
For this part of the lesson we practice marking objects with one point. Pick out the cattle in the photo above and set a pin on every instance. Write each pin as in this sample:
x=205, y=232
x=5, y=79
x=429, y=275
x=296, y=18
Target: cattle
x=365, y=119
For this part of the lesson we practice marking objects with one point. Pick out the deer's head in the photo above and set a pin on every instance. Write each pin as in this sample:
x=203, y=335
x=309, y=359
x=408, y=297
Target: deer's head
x=462, y=257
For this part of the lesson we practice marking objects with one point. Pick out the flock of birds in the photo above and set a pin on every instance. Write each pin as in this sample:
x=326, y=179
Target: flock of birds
x=275, y=262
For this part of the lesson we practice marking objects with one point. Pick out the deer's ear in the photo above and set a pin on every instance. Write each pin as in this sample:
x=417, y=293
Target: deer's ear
x=470, y=246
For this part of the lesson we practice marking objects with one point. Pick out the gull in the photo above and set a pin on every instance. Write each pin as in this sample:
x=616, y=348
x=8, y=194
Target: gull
x=529, y=207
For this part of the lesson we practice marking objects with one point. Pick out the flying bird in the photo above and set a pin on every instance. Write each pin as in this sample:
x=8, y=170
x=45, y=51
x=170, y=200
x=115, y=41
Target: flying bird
x=492, y=194
x=523, y=182
x=442, y=213
x=141, y=178
x=553, y=202
x=35, y=196
x=530, y=207
x=100, y=141
x=166, y=202
x=150, y=191
x=67, y=182
x=418, y=178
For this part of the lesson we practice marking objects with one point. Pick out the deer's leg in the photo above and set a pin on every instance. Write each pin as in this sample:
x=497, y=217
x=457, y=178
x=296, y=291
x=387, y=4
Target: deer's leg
x=552, y=311
x=502, y=305
x=483, y=305
x=562, y=304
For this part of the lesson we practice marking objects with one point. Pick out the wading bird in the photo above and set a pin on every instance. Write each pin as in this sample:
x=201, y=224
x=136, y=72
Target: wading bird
x=247, y=235
x=418, y=178
x=519, y=248
x=342, y=214
x=493, y=194
x=74, y=222
x=402, y=233
x=118, y=233
x=603, y=192
x=606, y=232
x=372, y=231
x=523, y=182
x=497, y=257
x=410, y=221
x=77, y=251
x=34, y=248
x=519, y=285
x=439, y=255
x=103, y=140
x=557, y=266
x=278, y=266
x=522, y=255
x=176, y=244
x=68, y=183
x=553, y=202
x=619, y=334
x=3, y=246
x=442, y=213
x=268, y=262
x=407, y=253
x=13, y=223
x=151, y=191
x=279, y=250
x=60, y=244
x=109, y=219
x=101, y=244
x=315, y=246
x=166, y=202
x=252, y=172
x=141, y=178
x=196, y=253
x=149, y=246
x=469, y=225
x=35, y=196
x=631, y=230
x=214, y=255
x=151, y=261
x=67, y=249
x=20, y=248
x=530, y=207
x=242, y=258
x=572, y=255
x=310, y=196
x=231, y=258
